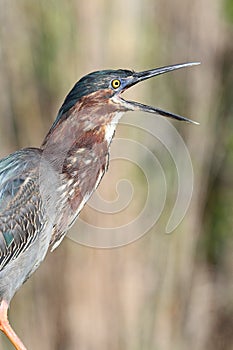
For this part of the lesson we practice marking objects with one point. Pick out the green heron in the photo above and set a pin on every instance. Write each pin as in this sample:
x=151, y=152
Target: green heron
x=42, y=190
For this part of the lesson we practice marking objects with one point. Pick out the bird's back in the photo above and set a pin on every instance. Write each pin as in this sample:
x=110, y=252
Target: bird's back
x=24, y=227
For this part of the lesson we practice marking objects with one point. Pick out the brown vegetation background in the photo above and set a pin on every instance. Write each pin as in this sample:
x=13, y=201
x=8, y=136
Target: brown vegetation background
x=163, y=292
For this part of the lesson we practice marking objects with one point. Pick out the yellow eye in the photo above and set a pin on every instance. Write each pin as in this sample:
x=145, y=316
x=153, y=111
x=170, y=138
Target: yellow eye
x=116, y=83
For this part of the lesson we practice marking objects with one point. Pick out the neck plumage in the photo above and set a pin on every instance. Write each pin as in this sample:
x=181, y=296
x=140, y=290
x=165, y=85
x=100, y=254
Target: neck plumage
x=77, y=147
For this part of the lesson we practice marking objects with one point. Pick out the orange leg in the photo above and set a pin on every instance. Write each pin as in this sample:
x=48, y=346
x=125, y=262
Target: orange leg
x=6, y=328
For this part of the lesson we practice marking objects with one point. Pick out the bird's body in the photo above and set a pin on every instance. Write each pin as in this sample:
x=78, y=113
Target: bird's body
x=42, y=190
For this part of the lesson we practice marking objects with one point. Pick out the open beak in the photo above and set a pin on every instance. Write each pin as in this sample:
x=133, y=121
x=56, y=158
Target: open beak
x=140, y=76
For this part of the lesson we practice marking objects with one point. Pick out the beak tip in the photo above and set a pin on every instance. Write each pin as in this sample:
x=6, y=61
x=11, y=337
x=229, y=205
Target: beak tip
x=195, y=63
x=193, y=122
x=190, y=64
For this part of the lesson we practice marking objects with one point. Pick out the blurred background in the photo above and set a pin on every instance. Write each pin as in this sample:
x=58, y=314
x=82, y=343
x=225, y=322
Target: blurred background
x=163, y=291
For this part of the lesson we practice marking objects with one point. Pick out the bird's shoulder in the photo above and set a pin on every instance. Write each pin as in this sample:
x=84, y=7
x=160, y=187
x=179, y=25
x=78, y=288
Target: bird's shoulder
x=15, y=169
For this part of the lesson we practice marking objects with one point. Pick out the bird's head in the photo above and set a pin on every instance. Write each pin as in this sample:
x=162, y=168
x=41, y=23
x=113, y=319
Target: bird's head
x=107, y=86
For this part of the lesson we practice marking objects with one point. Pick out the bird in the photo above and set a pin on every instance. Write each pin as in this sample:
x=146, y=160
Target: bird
x=43, y=190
